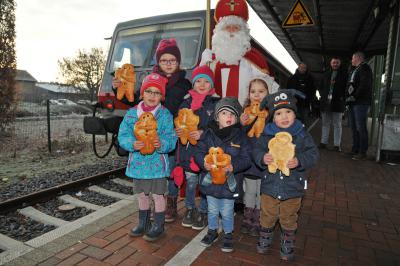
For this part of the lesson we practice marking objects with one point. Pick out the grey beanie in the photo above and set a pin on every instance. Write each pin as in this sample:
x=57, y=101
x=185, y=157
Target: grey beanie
x=228, y=103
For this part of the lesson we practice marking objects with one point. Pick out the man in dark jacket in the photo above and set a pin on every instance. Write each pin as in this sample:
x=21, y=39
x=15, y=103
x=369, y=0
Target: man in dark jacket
x=303, y=82
x=359, y=100
x=332, y=91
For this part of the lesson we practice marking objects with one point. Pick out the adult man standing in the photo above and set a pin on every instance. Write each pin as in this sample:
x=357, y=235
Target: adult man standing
x=232, y=58
x=303, y=82
x=359, y=100
x=332, y=102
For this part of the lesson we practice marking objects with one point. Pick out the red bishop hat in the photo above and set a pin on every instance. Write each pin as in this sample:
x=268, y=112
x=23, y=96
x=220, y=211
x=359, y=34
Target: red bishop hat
x=231, y=8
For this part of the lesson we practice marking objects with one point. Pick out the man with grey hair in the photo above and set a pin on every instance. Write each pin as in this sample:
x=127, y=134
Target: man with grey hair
x=359, y=100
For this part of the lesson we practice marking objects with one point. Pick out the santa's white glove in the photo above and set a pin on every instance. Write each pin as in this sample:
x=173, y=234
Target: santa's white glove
x=206, y=57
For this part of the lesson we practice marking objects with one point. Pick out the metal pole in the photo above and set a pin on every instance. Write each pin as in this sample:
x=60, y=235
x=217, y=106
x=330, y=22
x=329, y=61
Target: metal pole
x=208, y=42
x=48, y=125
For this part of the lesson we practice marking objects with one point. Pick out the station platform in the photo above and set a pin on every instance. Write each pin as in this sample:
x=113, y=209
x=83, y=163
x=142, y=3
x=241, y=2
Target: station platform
x=350, y=216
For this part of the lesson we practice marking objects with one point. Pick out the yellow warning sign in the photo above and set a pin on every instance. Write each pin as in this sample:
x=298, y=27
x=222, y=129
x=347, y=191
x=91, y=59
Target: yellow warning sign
x=298, y=16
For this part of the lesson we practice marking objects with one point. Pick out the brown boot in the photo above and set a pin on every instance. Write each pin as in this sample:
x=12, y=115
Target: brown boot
x=171, y=212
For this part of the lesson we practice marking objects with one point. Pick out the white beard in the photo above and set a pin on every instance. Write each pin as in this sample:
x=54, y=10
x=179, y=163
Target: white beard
x=229, y=48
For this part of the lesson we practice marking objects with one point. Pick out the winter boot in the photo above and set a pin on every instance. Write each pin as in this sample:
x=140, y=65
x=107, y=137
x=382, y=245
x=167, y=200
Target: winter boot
x=288, y=239
x=255, y=225
x=227, y=243
x=171, y=213
x=200, y=221
x=247, y=220
x=209, y=238
x=265, y=239
x=144, y=223
x=189, y=217
x=157, y=228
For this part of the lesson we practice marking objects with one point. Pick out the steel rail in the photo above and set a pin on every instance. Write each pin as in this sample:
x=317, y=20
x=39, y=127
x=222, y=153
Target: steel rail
x=35, y=197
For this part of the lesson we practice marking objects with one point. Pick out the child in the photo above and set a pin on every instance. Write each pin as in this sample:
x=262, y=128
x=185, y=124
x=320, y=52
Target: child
x=201, y=99
x=224, y=132
x=258, y=90
x=281, y=195
x=168, y=60
x=149, y=172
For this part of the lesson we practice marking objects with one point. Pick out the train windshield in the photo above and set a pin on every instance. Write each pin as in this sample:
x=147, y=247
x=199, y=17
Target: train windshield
x=137, y=45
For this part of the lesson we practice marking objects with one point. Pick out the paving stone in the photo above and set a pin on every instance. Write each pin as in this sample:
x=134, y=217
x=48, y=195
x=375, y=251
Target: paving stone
x=96, y=252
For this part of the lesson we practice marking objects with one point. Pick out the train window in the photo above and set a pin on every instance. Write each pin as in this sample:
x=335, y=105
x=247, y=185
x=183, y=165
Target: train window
x=137, y=45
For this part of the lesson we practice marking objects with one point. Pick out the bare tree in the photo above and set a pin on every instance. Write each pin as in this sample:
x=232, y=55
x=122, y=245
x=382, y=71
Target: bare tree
x=84, y=71
x=8, y=63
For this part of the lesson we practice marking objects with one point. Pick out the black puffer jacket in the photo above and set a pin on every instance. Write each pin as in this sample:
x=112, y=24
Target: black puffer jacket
x=337, y=103
x=233, y=143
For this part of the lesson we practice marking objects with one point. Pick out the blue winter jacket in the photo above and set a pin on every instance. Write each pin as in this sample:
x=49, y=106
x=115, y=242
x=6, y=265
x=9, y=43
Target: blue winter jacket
x=278, y=185
x=236, y=145
x=206, y=114
x=153, y=165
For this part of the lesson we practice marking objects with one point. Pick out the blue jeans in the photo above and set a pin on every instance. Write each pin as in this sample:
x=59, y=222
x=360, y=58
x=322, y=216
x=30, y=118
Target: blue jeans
x=192, y=180
x=358, y=116
x=223, y=207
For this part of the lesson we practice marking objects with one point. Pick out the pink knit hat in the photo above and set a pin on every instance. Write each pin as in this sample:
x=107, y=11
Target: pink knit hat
x=203, y=72
x=154, y=80
x=168, y=46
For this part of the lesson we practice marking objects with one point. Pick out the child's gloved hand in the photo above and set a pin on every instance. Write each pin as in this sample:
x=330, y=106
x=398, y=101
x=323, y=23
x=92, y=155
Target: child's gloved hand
x=193, y=165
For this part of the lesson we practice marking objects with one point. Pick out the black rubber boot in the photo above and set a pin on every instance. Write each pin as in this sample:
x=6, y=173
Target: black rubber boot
x=157, y=228
x=288, y=238
x=265, y=239
x=144, y=223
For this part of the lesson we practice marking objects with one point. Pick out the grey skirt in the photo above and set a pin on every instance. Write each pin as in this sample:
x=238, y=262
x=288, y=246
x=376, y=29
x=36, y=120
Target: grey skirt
x=154, y=186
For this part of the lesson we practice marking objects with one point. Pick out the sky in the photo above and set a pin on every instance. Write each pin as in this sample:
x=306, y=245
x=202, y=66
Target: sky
x=49, y=30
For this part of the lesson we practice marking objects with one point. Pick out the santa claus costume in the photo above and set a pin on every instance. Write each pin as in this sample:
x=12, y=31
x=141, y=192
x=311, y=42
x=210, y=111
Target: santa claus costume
x=234, y=62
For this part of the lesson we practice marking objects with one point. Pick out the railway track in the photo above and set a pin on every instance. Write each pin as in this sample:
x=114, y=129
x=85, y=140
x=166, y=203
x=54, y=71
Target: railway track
x=36, y=216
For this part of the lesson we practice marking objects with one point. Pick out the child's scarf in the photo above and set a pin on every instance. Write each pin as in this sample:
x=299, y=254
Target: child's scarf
x=198, y=99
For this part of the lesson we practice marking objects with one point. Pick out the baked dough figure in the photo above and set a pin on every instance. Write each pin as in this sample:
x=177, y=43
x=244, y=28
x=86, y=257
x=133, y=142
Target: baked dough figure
x=282, y=150
x=188, y=122
x=126, y=74
x=146, y=131
x=218, y=159
x=254, y=112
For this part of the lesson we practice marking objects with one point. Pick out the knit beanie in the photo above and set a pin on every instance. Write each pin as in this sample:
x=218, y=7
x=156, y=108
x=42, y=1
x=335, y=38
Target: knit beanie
x=203, y=72
x=168, y=46
x=154, y=80
x=230, y=104
x=278, y=100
